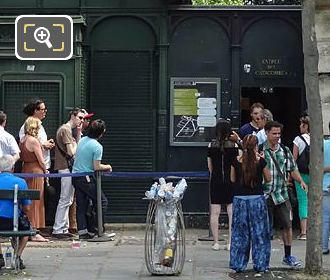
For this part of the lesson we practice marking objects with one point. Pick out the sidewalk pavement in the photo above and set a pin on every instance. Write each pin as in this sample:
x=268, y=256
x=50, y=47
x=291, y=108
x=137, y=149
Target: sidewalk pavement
x=123, y=259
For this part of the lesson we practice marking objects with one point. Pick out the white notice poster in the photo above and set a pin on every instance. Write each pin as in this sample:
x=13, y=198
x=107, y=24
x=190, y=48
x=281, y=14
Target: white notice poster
x=206, y=112
x=206, y=121
x=203, y=102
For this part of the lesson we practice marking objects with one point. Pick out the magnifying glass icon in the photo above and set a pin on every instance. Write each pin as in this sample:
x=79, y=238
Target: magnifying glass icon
x=41, y=35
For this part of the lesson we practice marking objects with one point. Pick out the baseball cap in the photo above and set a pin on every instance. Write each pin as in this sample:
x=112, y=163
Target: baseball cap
x=87, y=115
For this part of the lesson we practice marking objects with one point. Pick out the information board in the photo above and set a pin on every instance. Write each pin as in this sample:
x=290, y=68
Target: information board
x=194, y=110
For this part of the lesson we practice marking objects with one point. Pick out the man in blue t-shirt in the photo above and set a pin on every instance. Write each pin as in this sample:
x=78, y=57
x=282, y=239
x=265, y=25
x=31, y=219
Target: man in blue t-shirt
x=326, y=197
x=252, y=127
x=8, y=182
x=88, y=159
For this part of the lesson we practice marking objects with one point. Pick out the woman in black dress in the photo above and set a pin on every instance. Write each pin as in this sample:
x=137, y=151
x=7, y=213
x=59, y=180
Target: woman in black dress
x=221, y=152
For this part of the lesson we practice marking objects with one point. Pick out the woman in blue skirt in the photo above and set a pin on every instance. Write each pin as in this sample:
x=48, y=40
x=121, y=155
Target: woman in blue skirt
x=250, y=225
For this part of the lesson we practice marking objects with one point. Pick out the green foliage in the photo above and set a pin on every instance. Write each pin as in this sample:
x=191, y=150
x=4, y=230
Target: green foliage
x=218, y=2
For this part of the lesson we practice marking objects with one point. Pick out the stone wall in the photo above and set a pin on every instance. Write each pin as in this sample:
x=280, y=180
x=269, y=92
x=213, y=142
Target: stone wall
x=322, y=22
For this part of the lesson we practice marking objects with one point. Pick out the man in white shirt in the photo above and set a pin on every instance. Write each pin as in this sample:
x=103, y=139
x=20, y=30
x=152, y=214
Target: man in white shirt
x=8, y=144
x=265, y=116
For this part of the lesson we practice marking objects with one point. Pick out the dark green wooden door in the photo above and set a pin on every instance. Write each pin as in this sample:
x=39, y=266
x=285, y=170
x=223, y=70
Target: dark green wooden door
x=123, y=93
x=123, y=96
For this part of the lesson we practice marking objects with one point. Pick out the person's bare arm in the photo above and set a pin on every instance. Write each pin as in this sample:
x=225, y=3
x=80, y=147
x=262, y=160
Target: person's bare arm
x=37, y=149
x=98, y=166
x=296, y=176
x=266, y=174
x=295, y=151
x=71, y=149
x=79, y=132
x=209, y=164
x=232, y=174
x=49, y=144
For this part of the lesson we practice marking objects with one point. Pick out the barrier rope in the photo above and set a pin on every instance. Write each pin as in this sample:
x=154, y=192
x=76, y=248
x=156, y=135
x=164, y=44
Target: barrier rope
x=129, y=175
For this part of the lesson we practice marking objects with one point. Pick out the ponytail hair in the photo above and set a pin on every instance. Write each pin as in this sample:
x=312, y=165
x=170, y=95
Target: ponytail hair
x=249, y=160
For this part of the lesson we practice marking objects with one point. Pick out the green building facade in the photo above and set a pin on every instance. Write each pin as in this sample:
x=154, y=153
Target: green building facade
x=142, y=65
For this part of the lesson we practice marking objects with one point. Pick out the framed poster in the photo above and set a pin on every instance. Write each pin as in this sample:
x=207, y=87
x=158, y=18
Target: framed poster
x=194, y=110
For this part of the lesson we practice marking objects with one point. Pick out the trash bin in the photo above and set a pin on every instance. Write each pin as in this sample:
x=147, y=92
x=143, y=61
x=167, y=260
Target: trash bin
x=164, y=242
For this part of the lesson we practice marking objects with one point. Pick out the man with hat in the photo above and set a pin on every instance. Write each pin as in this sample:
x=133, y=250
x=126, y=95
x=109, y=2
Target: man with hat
x=87, y=119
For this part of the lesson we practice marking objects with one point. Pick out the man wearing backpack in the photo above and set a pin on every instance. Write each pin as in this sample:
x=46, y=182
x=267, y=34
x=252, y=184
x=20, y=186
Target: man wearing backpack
x=301, y=155
x=280, y=162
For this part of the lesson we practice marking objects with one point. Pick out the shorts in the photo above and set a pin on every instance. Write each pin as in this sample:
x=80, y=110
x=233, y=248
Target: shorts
x=282, y=213
x=7, y=224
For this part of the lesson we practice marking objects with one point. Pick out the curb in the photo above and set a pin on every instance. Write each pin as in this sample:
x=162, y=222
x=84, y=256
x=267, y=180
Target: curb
x=124, y=226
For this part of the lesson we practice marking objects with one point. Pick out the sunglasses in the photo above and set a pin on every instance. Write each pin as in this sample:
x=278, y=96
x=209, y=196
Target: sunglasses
x=42, y=109
x=81, y=118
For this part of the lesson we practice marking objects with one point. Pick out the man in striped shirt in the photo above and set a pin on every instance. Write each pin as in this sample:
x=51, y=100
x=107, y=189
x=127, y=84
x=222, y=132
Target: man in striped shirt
x=281, y=163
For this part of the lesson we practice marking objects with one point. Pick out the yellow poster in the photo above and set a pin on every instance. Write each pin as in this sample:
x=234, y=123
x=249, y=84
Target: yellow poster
x=185, y=102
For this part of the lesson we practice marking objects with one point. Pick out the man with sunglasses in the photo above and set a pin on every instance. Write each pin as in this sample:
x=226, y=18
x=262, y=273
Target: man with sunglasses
x=85, y=124
x=65, y=150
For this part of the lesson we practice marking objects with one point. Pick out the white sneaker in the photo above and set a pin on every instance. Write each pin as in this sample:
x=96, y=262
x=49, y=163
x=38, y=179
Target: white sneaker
x=216, y=246
x=112, y=234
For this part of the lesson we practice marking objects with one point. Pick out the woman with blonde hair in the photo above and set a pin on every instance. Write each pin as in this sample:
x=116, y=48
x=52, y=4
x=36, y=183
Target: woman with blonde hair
x=33, y=162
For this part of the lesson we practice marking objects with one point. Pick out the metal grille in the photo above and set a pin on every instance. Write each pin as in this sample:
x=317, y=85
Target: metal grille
x=18, y=93
x=272, y=2
x=122, y=95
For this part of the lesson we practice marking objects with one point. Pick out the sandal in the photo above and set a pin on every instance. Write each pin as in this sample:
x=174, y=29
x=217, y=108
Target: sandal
x=39, y=238
x=302, y=237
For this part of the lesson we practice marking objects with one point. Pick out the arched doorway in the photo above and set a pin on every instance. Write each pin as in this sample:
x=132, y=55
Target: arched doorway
x=123, y=93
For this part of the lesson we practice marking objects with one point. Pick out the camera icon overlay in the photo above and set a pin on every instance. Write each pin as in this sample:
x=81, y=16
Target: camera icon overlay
x=43, y=37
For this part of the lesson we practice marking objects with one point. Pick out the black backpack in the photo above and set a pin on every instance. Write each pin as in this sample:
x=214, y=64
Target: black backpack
x=303, y=158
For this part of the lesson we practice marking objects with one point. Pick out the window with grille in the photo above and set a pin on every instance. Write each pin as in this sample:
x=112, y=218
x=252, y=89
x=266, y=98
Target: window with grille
x=18, y=93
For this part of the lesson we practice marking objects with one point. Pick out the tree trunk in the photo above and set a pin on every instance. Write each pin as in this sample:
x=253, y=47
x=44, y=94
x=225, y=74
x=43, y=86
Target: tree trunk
x=311, y=58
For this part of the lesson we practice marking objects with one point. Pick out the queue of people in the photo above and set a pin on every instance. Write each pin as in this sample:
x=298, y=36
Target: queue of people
x=248, y=174
x=76, y=150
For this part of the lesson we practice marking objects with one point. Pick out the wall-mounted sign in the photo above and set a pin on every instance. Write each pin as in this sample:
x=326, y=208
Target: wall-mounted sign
x=194, y=109
x=271, y=67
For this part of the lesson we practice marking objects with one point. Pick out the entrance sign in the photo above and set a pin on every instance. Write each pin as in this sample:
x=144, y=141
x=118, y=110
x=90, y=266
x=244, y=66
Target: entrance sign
x=194, y=110
x=272, y=67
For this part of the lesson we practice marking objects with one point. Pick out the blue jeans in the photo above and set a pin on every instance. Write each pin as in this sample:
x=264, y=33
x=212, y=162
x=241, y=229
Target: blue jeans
x=326, y=221
x=250, y=226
